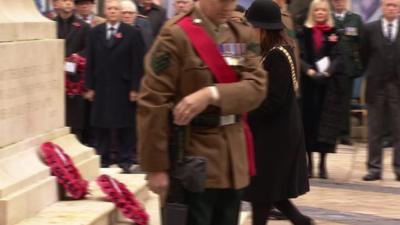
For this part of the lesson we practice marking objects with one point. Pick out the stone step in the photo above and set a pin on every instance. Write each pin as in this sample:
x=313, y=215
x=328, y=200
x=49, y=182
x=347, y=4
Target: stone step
x=82, y=212
x=85, y=158
x=28, y=201
x=71, y=145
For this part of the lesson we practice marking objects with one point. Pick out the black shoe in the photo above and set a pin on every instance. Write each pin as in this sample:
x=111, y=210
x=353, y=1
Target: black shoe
x=105, y=165
x=371, y=177
x=125, y=168
x=346, y=141
x=309, y=221
x=387, y=144
x=275, y=214
x=323, y=174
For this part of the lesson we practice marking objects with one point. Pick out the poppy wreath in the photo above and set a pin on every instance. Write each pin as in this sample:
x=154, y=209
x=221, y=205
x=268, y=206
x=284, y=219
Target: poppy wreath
x=63, y=168
x=125, y=200
x=76, y=86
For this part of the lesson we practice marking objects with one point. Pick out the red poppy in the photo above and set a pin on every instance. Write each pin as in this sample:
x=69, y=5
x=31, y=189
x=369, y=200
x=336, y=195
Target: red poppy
x=76, y=24
x=118, y=35
x=333, y=38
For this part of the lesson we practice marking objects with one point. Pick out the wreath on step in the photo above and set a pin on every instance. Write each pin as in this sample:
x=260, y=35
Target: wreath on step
x=125, y=200
x=63, y=168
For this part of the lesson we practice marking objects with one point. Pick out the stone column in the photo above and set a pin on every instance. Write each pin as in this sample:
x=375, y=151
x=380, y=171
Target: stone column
x=31, y=111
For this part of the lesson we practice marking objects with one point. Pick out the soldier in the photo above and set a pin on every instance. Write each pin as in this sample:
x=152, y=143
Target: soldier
x=349, y=26
x=208, y=94
x=84, y=11
x=183, y=6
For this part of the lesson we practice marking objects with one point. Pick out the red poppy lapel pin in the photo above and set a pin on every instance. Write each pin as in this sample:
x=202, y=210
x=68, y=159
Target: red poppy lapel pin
x=76, y=24
x=118, y=35
x=333, y=38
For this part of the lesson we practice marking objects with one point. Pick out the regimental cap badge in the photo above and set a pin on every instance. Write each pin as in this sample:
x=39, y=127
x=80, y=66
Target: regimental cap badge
x=197, y=20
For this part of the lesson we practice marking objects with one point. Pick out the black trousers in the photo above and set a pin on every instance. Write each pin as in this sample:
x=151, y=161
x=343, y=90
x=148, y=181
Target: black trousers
x=388, y=96
x=125, y=145
x=214, y=207
x=345, y=131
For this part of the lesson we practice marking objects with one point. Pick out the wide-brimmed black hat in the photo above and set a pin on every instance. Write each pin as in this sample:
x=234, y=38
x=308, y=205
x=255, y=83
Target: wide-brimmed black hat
x=265, y=14
x=80, y=1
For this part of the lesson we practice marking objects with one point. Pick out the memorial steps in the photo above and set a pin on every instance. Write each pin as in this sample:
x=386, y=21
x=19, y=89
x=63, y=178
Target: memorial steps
x=29, y=195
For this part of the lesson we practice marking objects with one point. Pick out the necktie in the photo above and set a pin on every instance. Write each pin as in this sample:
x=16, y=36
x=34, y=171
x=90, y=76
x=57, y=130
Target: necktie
x=390, y=32
x=111, y=32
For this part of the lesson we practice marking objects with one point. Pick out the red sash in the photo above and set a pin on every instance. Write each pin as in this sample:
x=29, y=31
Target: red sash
x=223, y=73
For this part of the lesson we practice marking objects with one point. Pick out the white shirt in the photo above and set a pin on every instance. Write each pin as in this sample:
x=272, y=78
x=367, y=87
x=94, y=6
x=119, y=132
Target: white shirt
x=395, y=28
x=88, y=19
x=340, y=16
x=109, y=32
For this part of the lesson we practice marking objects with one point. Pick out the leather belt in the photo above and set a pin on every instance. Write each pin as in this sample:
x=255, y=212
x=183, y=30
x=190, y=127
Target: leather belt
x=214, y=120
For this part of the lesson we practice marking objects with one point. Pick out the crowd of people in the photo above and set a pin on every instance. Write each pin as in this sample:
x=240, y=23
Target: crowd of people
x=255, y=91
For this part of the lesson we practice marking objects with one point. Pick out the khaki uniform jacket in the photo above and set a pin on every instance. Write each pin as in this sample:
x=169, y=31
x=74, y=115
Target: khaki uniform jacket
x=174, y=70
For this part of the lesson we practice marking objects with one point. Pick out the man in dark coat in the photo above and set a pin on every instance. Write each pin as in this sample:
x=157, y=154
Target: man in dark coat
x=349, y=26
x=113, y=73
x=75, y=33
x=84, y=11
x=156, y=14
x=380, y=54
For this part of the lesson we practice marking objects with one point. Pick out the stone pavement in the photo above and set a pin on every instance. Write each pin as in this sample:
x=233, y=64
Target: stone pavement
x=344, y=198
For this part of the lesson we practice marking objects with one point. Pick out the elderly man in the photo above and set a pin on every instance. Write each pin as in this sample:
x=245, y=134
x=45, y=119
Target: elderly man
x=84, y=11
x=202, y=72
x=131, y=16
x=380, y=54
x=113, y=73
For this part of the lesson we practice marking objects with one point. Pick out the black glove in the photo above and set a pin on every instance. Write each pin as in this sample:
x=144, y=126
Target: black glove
x=320, y=78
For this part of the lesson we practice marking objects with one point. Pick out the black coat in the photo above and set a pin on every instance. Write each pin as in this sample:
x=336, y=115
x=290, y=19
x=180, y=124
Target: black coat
x=378, y=56
x=278, y=138
x=75, y=32
x=323, y=103
x=156, y=15
x=113, y=71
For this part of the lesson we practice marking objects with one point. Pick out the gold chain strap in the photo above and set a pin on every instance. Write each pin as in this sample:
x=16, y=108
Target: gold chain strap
x=292, y=67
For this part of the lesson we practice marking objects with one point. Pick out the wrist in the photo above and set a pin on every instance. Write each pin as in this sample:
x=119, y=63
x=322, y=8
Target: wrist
x=213, y=95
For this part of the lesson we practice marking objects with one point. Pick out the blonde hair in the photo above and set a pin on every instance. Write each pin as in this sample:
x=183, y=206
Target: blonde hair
x=310, y=21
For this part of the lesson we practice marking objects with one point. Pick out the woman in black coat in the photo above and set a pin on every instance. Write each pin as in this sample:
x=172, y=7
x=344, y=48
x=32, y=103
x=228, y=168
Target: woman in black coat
x=323, y=99
x=281, y=168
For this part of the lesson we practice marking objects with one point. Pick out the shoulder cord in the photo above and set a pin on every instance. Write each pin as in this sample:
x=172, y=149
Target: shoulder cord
x=292, y=67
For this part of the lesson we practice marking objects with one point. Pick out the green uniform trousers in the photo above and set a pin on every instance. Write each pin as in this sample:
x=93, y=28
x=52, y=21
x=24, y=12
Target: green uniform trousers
x=214, y=207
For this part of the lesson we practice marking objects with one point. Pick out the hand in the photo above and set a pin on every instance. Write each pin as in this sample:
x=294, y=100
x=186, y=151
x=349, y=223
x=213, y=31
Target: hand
x=320, y=77
x=158, y=182
x=311, y=72
x=89, y=95
x=191, y=106
x=133, y=95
